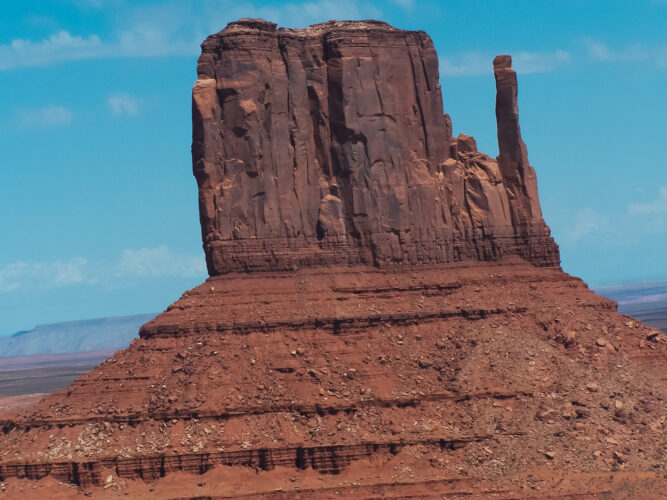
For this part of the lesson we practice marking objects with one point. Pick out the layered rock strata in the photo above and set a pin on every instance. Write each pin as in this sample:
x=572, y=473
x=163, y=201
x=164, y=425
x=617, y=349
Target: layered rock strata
x=329, y=145
x=471, y=366
x=492, y=375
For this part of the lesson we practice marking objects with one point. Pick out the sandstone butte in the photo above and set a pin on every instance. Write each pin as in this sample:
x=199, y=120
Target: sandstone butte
x=385, y=315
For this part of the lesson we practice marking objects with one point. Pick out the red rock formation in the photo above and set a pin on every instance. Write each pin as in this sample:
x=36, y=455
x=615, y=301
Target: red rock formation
x=519, y=175
x=448, y=376
x=322, y=155
x=329, y=146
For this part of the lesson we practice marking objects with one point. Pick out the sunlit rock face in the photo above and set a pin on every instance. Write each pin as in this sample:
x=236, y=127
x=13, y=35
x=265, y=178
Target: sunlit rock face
x=329, y=145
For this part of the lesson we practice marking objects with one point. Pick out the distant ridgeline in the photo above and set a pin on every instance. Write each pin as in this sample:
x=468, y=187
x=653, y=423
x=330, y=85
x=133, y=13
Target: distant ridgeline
x=75, y=336
x=644, y=301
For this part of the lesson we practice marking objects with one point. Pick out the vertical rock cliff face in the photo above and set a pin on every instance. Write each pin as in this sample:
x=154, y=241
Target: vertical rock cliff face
x=329, y=145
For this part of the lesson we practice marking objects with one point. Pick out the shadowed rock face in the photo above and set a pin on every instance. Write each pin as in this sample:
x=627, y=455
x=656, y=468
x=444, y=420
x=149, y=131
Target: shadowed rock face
x=329, y=145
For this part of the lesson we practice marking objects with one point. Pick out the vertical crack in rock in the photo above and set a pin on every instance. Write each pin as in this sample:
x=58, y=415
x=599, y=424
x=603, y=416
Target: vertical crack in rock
x=418, y=99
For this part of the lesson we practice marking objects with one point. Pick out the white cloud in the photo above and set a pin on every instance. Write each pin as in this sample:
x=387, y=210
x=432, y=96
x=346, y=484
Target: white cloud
x=59, y=47
x=659, y=205
x=158, y=262
x=27, y=275
x=651, y=214
x=467, y=64
x=169, y=29
x=616, y=228
x=478, y=63
x=144, y=264
x=48, y=116
x=586, y=224
x=406, y=4
x=142, y=41
x=539, y=62
x=598, y=51
x=124, y=105
x=177, y=28
x=97, y=4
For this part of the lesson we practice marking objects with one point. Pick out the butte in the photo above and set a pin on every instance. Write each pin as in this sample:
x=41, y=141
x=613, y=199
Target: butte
x=385, y=315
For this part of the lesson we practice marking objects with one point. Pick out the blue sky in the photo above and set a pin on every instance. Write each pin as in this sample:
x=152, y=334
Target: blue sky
x=98, y=208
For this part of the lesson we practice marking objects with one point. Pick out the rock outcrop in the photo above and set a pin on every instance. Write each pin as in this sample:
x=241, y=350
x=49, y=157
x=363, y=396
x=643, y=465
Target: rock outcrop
x=329, y=145
x=405, y=330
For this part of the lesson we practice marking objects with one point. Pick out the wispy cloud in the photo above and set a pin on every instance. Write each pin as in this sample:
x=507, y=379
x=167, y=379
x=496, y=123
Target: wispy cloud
x=467, y=64
x=48, y=116
x=158, y=263
x=651, y=215
x=63, y=47
x=21, y=274
x=478, y=63
x=616, y=226
x=659, y=205
x=59, y=47
x=142, y=264
x=169, y=29
x=587, y=224
x=598, y=50
x=97, y=4
x=601, y=52
x=406, y=4
x=540, y=62
x=124, y=105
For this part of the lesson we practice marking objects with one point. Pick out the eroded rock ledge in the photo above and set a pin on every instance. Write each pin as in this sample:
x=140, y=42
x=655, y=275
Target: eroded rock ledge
x=329, y=145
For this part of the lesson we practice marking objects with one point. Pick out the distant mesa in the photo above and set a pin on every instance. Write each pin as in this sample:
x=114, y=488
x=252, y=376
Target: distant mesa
x=74, y=336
